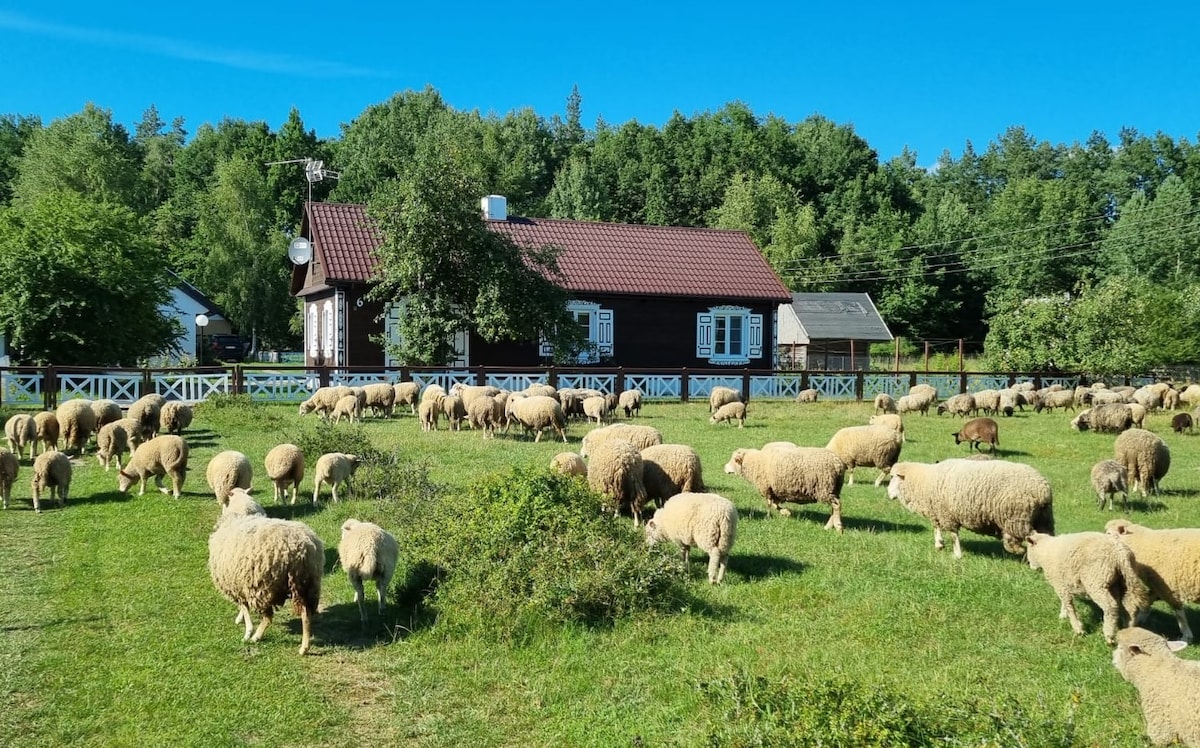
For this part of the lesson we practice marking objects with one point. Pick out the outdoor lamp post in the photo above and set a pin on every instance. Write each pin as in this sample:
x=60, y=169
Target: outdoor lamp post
x=201, y=323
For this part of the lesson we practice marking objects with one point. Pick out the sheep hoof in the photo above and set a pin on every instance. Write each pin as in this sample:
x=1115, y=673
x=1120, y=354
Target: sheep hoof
x=164, y=490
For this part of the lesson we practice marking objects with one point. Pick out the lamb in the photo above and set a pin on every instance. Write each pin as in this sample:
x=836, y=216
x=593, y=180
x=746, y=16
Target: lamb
x=106, y=411
x=868, y=446
x=1181, y=422
x=885, y=403
x=323, y=401
x=407, y=393
x=334, y=468
x=639, y=436
x=1092, y=564
x=113, y=441
x=1003, y=499
x=730, y=412
x=486, y=414
x=163, y=455
x=380, y=398
x=9, y=467
x=631, y=402
x=258, y=562
x=1110, y=477
x=76, y=422
x=367, y=551
x=1168, y=561
x=568, y=463
x=47, y=430
x=51, y=470
x=962, y=404
x=226, y=471
x=146, y=410
x=721, y=395
x=891, y=420
x=807, y=396
x=1167, y=685
x=615, y=471
x=21, y=431
x=174, y=417
x=705, y=520
x=979, y=431
x=1112, y=417
x=1055, y=399
x=537, y=413
x=455, y=412
x=802, y=475
x=669, y=469
x=595, y=408
x=285, y=467
x=346, y=406
x=1145, y=455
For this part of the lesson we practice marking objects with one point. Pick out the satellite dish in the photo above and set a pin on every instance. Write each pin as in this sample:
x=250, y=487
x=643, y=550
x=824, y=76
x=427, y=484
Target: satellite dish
x=300, y=250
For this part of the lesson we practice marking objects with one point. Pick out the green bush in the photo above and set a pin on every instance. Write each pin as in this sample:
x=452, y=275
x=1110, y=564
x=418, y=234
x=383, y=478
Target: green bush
x=223, y=412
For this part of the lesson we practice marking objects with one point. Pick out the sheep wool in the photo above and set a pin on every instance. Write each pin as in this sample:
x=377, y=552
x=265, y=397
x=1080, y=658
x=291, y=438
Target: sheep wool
x=333, y=468
x=47, y=430
x=1166, y=684
x=380, y=398
x=631, y=402
x=885, y=403
x=367, y=551
x=76, y=423
x=112, y=441
x=106, y=411
x=669, y=469
x=595, y=408
x=730, y=412
x=258, y=562
x=1110, y=477
x=1146, y=458
x=9, y=467
x=705, y=520
x=962, y=404
x=51, y=470
x=162, y=455
x=1111, y=418
x=486, y=414
x=1094, y=565
x=568, y=463
x=468, y=393
x=174, y=417
x=1168, y=561
x=407, y=393
x=323, y=401
x=801, y=475
x=242, y=504
x=892, y=420
x=637, y=435
x=346, y=407
x=226, y=471
x=428, y=413
x=866, y=446
x=455, y=412
x=21, y=431
x=719, y=396
x=147, y=410
x=285, y=467
x=1008, y=500
x=537, y=413
x=615, y=471
x=807, y=396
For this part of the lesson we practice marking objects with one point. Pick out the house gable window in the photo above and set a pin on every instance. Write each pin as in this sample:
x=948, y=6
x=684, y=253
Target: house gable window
x=729, y=335
x=596, y=324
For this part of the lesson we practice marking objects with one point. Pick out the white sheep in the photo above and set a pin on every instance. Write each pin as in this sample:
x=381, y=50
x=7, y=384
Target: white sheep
x=910, y=404
x=380, y=398
x=9, y=467
x=1166, y=685
x=226, y=471
x=893, y=421
x=885, y=403
x=988, y=402
x=323, y=401
x=615, y=471
x=486, y=414
x=705, y=520
x=801, y=475
x=868, y=446
x=469, y=392
x=174, y=417
x=540, y=388
x=1137, y=415
x=455, y=411
x=669, y=469
x=925, y=395
x=637, y=435
x=163, y=455
x=333, y=468
x=631, y=402
x=346, y=406
x=106, y=411
x=76, y=423
x=1063, y=399
x=719, y=396
x=1008, y=500
x=1168, y=561
x=51, y=470
x=21, y=431
x=1110, y=477
x=962, y=404
x=537, y=413
x=1146, y=457
x=807, y=396
x=112, y=441
x=367, y=551
x=1112, y=417
x=1094, y=565
x=146, y=411
x=407, y=393
x=285, y=467
x=730, y=412
x=568, y=463
x=595, y=408
x=47, y=430
x=242, y=504
x=429, y=411
x=258, y=562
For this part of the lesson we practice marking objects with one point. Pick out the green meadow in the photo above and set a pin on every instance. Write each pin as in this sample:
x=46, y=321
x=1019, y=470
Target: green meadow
x=111, y=633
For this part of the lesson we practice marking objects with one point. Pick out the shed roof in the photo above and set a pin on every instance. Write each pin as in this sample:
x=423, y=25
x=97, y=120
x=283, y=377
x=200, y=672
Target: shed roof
x=839, y=316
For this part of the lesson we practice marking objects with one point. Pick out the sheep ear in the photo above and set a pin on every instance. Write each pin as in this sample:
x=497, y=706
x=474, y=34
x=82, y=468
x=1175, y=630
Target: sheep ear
x=1031, y=539
x=1175, y=646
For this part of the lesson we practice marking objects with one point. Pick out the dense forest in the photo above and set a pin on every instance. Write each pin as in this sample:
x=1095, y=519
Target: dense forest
x=1076, y=256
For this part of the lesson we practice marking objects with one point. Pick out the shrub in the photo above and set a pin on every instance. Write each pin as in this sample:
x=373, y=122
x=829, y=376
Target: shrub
x=224, y=412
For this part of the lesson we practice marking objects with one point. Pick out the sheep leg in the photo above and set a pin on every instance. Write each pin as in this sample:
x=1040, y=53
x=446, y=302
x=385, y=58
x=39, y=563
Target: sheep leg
x=850, y=476
x=262, y=625
x=879, y=479
x=359, y=597
x=142, y=486
x=957, y=544
x=244, y=618
x=716, y=567
x=1185, y=631
x=1067, y=610
x=305, y=629
x=381, y=591
x=938, y=543
x=333, y=490
x=158, y=483
x=177, y=485
x=1111, y=607
x=316, y=492
x=835, y=517
x=37, y=507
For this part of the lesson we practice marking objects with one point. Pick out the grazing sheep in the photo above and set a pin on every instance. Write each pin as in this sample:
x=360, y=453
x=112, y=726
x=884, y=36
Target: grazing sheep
x=76, y=423
x=1055, y=399
x=333, y=468
x=537, y=413
x=892, y=420
x=988, y=402
x=568, y=463
x=380, y=398
x=1181, y=422
x=925, y=395
x=455, y=412
x=1168, y=561
x=163, y=455
x=721, y=395
x=542, y=389
x=346, y=406
x=407, y=393
x=668, y=469
x=226, y=471
x=429, y=411
x=242, y=504
x=1148, y=396
x=962, y=404
x=258, y=562
x=1003, y=499
x=1170, y=399
x=705, y=520
x=910, y=404
x=21, y=431
x=174, y=417
x=615, y=471
x=47, y=430
x=1166, y=685
x=868, y=446
x=595, y=408
x=1111, y=417
x=1190, y=395
x=9, y=467
x=1008, y=402
x=113, y=441
x=801, y=475
x=323, y=401
x=285, y=467
x=1110, y=477
x=1137, y=415
x=486, y=414
x=1145, y=455
x=51, y=470
x=807, y=396
x=367, y=551
x=979, y=431
x=631, y=402
x=106, y=411
x=637, y=435
x=730, y=412
x=468, y=393
x=146, y=410
x=1094, y=565
x=885, y=403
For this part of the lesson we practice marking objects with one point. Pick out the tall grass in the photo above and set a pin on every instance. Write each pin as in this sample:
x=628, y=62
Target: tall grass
x=112, y=634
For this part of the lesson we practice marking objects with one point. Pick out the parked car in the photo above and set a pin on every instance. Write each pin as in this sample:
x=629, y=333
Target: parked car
x=228, y=348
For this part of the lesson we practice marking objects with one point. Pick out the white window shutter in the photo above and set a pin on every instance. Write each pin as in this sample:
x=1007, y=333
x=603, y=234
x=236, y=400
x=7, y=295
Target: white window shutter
x=756, y=336
x=604, y=332
x=327, y=337
x=314, y=331
x=704, y=334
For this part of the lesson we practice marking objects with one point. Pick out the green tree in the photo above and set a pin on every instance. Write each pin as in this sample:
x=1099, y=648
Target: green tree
x=1156, y=238
x=15, y=132
x=80, y=284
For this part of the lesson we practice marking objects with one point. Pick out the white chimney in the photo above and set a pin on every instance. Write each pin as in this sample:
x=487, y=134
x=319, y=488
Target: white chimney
x=495, y=208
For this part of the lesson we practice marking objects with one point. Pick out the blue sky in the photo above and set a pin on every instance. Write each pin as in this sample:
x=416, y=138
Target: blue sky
x=930, y=76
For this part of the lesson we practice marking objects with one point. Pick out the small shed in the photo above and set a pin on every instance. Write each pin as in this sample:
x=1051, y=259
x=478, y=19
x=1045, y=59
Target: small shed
x=829, y=331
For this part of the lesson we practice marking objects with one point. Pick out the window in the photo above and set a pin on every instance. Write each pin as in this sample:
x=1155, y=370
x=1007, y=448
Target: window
x=597, y=326
x=729, y=335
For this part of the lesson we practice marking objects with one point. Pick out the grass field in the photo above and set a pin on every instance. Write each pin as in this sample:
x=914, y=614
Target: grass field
x=111, y=632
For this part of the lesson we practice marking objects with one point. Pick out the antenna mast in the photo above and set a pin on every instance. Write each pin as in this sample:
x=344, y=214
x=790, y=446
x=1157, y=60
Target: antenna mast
x=314, y=171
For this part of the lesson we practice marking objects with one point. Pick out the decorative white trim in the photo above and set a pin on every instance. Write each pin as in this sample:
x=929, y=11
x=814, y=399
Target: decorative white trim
x=710, y=340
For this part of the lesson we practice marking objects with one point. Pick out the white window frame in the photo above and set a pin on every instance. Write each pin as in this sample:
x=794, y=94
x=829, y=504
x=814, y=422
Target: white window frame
x=712, y=345
x=600, y=332
x=327, y=331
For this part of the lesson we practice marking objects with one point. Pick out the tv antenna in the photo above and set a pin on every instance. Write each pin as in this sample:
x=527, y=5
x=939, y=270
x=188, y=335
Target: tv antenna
x=314, y=171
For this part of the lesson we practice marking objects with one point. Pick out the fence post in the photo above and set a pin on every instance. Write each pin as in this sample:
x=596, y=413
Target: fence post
x=552, y=376
x=746, y=385
x=962, y=381
x=480, y=375
x=147, y=383
x=683, y=384
x=860, y=385
x=323, y=376
x=50, y=388
x=620, y=379
x=237, y=380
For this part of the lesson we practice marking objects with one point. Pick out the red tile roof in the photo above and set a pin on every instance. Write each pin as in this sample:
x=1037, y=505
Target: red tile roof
x=611, y=258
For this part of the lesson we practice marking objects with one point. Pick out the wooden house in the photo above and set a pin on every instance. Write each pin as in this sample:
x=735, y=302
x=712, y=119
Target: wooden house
x=829, y=331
